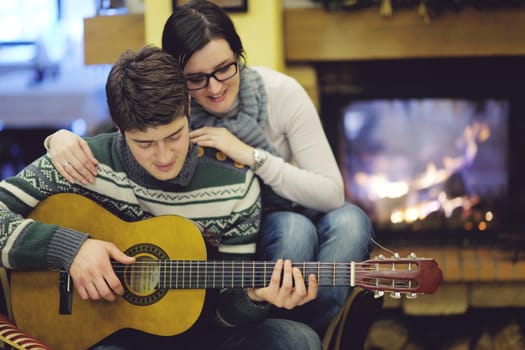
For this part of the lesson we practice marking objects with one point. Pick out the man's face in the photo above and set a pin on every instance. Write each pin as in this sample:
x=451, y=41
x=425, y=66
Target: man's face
x=161, y=150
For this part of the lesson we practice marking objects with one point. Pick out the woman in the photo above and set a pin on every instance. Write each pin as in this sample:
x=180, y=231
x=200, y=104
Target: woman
x=263, y=119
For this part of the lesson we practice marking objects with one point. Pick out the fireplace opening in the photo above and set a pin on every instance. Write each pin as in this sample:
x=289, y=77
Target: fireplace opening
x=427, y=163
x=430, y=148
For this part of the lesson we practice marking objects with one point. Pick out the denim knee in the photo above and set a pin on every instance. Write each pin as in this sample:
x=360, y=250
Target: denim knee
x=287, y=235
x=349, y=216
x=347, y=229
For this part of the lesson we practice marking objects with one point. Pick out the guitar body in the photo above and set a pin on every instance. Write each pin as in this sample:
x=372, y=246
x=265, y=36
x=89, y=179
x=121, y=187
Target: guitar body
x=35, y=294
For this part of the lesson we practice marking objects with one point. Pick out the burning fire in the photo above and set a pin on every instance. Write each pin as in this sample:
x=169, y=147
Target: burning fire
x=416, y=198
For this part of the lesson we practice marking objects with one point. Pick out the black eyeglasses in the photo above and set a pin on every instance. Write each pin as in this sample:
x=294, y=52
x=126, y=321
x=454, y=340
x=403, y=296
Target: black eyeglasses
x=200, y=81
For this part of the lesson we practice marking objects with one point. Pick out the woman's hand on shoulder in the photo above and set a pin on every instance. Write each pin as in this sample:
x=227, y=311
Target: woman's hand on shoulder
x=71, y=156
x=223, y=140
x=287, y=288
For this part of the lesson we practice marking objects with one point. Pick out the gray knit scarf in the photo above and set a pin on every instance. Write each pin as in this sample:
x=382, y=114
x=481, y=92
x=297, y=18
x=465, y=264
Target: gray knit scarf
x=248, y=124
x=140, y=176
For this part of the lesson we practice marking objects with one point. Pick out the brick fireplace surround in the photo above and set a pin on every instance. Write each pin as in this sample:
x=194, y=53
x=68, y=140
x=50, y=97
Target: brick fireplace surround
x=336, y=52
x=474, y=272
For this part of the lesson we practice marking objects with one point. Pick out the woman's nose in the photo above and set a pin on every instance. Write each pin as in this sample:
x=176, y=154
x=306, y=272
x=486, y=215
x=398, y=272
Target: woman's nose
x=214, y=86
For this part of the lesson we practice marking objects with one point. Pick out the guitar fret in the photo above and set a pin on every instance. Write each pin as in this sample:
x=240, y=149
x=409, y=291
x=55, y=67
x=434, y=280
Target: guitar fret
x=192, y=275
x=197, y=276
x=170, y=274
x=177, y=275
x=163, y=274
x=253, y=274
x=333, y=279
x=351, y=273
x=170, y=271
x=214, y=284
x=222, y=275
x=242, y=274
x=214, y=274
x=187, y=278
x=182, y=274
x=185, y=275
x=205, y=275
x=312, y=268
x=264, y=279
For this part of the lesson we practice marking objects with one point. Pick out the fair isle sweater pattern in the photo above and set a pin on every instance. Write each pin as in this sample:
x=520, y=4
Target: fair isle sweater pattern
x=221, y=197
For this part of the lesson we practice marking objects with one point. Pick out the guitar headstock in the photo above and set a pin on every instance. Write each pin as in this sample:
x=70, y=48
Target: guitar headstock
x=409, y=276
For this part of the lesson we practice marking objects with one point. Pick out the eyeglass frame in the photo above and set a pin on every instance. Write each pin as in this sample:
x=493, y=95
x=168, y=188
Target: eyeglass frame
x=212, y=75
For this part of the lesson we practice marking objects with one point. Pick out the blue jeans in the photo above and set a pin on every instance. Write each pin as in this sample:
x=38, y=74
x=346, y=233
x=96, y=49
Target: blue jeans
x=274, y=334
x=341, y=235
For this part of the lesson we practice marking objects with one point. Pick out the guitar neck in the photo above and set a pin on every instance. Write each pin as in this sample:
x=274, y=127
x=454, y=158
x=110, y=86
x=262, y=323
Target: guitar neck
x=196, y=274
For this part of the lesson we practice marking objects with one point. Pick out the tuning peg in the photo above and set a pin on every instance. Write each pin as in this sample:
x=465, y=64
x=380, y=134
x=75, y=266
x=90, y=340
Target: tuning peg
x=380, y=257
x=396, y=255
x=395, y=295
x=412, y=255
x=411, y=296
x=378, y=294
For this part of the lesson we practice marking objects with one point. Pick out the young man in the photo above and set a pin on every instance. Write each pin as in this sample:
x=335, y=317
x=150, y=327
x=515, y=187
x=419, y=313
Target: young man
x=149, y=168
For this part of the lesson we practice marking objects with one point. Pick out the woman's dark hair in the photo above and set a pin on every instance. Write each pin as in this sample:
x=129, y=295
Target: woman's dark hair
x=146, y=89
x=193, y=25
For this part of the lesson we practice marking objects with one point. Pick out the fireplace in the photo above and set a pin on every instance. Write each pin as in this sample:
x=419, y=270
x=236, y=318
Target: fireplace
x=430, y=148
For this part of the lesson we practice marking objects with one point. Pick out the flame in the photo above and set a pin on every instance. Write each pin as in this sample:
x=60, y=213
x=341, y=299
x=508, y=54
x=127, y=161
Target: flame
x=411, y=206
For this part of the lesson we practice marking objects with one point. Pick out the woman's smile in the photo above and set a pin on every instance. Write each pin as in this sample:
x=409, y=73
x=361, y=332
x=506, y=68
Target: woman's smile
x=219, y=98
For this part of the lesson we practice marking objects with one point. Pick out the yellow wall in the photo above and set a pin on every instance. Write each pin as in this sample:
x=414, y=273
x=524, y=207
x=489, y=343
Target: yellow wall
x=260, y=29
x=156, y=12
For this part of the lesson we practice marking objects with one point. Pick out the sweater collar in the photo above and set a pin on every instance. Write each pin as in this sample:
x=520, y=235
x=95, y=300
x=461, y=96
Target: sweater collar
x=139, y=175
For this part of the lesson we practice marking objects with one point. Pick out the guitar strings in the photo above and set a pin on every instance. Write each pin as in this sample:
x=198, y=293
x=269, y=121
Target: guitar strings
x=257, y=267
x=190, y=273
x=247, y=266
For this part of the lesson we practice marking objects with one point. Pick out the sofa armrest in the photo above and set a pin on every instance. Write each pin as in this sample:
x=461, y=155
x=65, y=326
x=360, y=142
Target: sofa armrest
x=12, y=336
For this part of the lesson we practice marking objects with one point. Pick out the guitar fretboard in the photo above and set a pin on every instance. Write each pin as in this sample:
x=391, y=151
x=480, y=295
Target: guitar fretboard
x=192, y=274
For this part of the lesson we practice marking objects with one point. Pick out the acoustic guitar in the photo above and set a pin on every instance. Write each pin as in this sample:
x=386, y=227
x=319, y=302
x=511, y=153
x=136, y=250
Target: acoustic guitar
x=166, y=286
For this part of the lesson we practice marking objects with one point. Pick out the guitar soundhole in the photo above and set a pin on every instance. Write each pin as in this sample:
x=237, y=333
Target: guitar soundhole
x=141, y=279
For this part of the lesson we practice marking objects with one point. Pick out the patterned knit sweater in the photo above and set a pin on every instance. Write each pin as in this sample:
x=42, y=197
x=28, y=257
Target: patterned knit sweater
x=215, y=193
